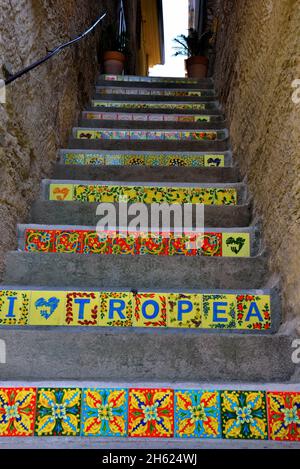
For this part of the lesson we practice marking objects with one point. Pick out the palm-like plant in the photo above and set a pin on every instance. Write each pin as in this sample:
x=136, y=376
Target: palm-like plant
x=193, y=44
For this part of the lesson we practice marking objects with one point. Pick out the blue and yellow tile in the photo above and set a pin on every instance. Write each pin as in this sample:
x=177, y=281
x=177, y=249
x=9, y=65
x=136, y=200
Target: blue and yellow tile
x=253, y=312
x=17, y=411
x=150, y=310
x=218, y=311
x=185, y=310
x=14, y=307
x=116, y=309
x=284, y=416
x=82, y=308
x=47, y=308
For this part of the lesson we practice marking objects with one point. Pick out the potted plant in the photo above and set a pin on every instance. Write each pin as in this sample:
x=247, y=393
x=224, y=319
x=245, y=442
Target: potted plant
x=114, y=46
x=196, y=48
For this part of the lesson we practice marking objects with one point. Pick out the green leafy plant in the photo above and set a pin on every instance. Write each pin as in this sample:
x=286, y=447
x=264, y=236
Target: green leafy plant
x=112, y=40
x=193, y=44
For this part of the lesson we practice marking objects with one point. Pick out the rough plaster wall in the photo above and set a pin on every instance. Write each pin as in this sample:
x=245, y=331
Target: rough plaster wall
x=257, y=60
x=42, y=106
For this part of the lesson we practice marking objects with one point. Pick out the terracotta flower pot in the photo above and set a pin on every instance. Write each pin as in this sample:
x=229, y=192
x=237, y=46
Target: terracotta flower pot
x=113, y=62
x=197, y=66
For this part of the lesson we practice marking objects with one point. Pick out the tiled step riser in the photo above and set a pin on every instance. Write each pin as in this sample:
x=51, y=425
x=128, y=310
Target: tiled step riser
x=113, y=80
x=171, y=119
x=217, y=124
x=79, y=213
x=149, y=412
x=113, y=107
x=255, y=311
x=158, y=92
x=160, y=106
x=139, y=354
x=149, y=159
x=151, y=98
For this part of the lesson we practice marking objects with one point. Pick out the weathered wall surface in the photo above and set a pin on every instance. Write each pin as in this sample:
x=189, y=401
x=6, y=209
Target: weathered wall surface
x=257, y=60
x=42, y=106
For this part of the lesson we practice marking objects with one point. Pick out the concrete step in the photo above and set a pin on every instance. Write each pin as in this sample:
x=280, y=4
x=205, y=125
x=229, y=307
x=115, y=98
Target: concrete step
x=81, y=213
x=149, y=159
x=193, y=392
x=166, y=119
x=160, y=241
x=149, y=82
x=135, y=272
x=157, y=92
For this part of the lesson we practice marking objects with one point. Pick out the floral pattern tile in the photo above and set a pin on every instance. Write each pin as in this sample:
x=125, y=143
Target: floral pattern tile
x=253, y=312
x=150, y=310
x=17, y=411
x=116, y=309
x=14, y=307
x=219, y=312
x=284, y=416
x=184, y=310
x=151, y=105
x=92, y=134
x=82, y=309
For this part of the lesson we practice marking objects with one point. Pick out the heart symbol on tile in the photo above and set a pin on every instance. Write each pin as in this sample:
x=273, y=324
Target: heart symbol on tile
x=47, y=307
x=236, y=244
x=61, y=194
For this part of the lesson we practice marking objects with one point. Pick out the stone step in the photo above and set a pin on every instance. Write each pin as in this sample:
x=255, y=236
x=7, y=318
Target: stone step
x=147, y=82
x=180, y=399
x=149, y=159
x=81, y=213
x=135, y=272
x=160, y=241
x=157, y=92
x=175, y=106
x=251, y=311
x=163, y=119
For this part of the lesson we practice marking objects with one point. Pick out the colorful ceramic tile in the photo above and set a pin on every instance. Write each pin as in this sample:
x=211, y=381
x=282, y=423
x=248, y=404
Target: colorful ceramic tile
x=197, y=414
x=58, y=412
x=82, y=309
x=150, y=310
x=96, y=243
x=284, y=416
x=151, y=413
x=61, y=192
x=156, y=244
x=47, y=308
x=17, y=411
x=218, y=311
x=114, y=160
x=39, y=240
x=70, y=241
x=14, y=307
x=116, y=309
x=149, y=105
x=104, y=412
x=244, y=415
x=209, y=244
x=184, y=310
x=253, y=312
x=95, y=160
x=134, y=160
x=236, y=245
x=214, y=160
x=74, y=158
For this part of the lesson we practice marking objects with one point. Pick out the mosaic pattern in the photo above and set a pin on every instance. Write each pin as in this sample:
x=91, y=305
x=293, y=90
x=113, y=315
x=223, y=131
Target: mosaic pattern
x=244, y=415
x=144, y=194
x=102, y=134
x=142, y=159
x=148, y=79
x=197, y=414
x=149, y=413
x=104, y=412
x=146, y=117
x=154, y=105
x=284, y=416
x=113, y=242
x=142, y=309
x=154, y=92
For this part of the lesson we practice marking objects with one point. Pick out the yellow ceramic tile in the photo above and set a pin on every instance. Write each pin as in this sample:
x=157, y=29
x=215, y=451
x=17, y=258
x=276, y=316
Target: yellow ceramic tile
x=47, y=308
x=82, y=308
x=218, y=311
x=253, y=312
x=150, y=310
x=236, y=244
x=184, y=310
x=61, y=192
x=115, y=309
x=211, y=160
x=14, y=307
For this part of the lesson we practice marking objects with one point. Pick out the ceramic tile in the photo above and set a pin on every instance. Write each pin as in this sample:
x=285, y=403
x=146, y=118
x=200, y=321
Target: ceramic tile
x=114, y=160
x=150, y=310
x=154, y=160
x=134, y=160
x=214, y=160
x=219, y=311
x=61, y=192
x=151, y=413
x=39, y=240
x=253, y=312
x=236, y=244
x=209, y=244
x=14, y=307
x=96, y=243
x=202, y=118
x=17, y=410
x=184, y=310
x=95, y=160
x=58, y=412
x=68, y=241
x=155, y=244
x=74, y=158
x=197, y=414
x=104, y=412
x=87, y=134
x=284, y=416
x=244, y=415
x=47, y=308
x=116, y=309
x=82, y=309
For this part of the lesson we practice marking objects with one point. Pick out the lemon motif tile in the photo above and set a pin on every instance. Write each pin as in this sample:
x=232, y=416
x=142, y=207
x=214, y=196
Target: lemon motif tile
x=14, y=307
x=116, y=309
x=236, y=245
x=47, y=308
x=185, y=310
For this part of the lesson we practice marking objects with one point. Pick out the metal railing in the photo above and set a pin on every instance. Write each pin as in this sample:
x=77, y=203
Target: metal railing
x=55, y=51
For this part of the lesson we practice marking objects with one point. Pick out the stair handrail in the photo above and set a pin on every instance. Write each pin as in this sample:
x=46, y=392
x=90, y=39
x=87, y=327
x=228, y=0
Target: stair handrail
x=55, y=51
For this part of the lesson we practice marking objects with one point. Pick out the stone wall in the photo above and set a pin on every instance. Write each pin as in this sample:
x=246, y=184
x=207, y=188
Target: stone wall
x=258, y=50
x=43, y=106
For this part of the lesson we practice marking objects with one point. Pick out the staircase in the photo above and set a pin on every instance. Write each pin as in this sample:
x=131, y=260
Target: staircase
x=150, y=335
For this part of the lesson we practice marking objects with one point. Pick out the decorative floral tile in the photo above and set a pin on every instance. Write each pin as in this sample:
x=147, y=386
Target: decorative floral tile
x=96, y=243
x=94, y=160
x=149, y=105
x=134, y=160
x=151, y=413
x=197, y=414
x=58, y=412
x=150, y=310
x=70, y=241
x=17, y=411
x=61, y=192
x=104, y=412
x=39, y=240
x=244, y=415
x=82, y=309
x=116, y=309
x=114, y=160
x=74, y=158
x=209, y=244
x=184, y=310
x=154, y=244
x=14, y=307
x=236, y=244
x=219, y=311
x=214, y=160
x=47, y=308
x=253, y=312
x=284, y=416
